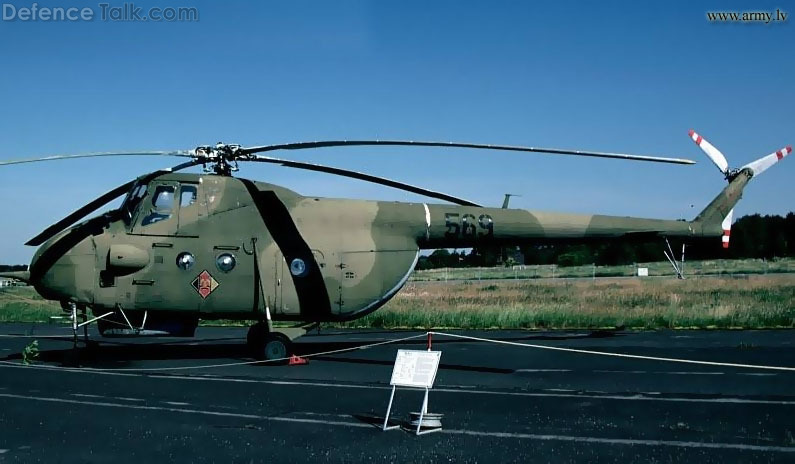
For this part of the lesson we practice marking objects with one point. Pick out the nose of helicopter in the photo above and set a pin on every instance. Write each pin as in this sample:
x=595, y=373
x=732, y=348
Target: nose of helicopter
x=63, y=268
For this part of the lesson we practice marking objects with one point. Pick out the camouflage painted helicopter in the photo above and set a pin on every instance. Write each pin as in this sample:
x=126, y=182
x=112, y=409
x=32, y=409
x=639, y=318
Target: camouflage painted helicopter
x=184, y=247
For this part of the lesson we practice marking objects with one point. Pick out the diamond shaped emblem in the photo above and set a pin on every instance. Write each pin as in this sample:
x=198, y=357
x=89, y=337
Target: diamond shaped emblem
x=204, y=284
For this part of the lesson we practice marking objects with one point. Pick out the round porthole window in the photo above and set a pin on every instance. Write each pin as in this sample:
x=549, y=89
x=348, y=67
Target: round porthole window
x=225, y=262
x=298, y=267
x=185, y=260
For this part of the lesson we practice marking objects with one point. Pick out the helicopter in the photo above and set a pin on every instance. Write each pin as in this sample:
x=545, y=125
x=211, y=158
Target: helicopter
x=184, y=247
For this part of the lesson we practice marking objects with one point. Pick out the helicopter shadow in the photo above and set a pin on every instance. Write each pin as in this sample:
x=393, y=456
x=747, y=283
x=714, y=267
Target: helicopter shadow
x=318, y=347
x=115, y=353
x=321, y=347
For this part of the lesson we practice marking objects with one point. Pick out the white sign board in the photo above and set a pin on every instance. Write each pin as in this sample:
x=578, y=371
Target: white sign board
x=643, y=272
x=415, y=368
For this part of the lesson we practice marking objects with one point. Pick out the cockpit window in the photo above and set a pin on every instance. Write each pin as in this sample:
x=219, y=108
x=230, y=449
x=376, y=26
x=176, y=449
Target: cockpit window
x=162, y=205
x=132, y=201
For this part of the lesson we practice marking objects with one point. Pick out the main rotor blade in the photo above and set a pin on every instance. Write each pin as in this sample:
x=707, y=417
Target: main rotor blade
x=97, y=203
x=411, y=143
x=84, y=210
x=188, y=153
x=364, y=177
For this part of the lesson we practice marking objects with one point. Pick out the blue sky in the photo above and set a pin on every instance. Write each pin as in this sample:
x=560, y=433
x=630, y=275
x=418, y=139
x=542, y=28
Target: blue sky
x=611, y=76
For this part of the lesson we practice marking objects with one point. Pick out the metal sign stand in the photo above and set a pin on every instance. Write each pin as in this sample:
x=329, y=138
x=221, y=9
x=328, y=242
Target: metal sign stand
x=423, y=411
x=388, y=410
x=415, y=370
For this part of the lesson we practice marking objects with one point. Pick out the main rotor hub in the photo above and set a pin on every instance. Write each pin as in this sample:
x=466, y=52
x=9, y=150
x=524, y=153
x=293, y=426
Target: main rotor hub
x=220, y=159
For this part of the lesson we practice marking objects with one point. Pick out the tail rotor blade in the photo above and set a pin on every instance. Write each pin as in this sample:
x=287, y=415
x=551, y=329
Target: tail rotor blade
x=763, y=164
x=727, y=228
x=713, y=153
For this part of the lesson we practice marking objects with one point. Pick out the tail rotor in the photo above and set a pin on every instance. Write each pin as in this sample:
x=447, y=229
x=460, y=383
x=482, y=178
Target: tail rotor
x=721, y=209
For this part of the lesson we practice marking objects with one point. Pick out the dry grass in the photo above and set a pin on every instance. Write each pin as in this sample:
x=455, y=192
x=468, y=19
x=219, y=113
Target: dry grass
x=748, y=302
x=756, y=301
x=661, y=268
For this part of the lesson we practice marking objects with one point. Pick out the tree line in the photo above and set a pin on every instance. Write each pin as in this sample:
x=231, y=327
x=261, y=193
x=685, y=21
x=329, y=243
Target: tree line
x=752, y=236
x=13, y=267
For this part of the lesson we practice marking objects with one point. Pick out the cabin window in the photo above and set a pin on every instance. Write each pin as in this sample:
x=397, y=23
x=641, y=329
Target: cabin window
x=187, y=195
x=162, y=204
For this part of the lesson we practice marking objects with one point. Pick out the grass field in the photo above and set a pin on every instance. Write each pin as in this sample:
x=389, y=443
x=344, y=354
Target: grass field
x=757, y=301
x=23, y=304
x=738, y=301
x=663, y=268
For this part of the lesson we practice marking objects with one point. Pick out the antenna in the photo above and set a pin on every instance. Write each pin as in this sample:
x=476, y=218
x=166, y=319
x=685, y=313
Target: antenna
x=508, y=198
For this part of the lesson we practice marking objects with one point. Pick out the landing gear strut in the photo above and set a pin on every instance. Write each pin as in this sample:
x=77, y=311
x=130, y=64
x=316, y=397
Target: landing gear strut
x=72, y=308
x=267, y=345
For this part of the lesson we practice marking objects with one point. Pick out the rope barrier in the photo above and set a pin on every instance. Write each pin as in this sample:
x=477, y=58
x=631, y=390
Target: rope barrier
x=618, y=355
x=428, y=336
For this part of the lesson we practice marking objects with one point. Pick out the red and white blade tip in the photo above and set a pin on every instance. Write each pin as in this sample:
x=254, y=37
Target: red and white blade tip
x=763, y=164
x=713, y=153
x=727, y=228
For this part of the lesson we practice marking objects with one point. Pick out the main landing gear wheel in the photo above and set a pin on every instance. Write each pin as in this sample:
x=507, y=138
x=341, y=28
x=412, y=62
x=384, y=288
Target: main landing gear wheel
x=268, y=346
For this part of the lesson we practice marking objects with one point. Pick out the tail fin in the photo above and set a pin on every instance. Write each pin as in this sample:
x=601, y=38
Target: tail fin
x=716, y=218
x=712, y=219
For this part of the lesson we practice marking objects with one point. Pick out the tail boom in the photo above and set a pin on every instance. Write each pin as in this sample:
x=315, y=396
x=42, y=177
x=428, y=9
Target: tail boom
x=451, y=226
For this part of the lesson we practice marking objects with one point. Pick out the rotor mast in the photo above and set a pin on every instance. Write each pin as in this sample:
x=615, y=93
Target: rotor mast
x=220, y=159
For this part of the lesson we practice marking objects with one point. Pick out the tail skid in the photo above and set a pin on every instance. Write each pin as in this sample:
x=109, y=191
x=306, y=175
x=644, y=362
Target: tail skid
x=719, y=213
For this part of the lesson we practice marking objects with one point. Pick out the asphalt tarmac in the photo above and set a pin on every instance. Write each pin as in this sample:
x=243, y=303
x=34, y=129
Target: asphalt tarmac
x=200, y=400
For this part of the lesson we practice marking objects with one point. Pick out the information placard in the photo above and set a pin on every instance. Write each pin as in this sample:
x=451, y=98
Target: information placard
x=415, y=368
